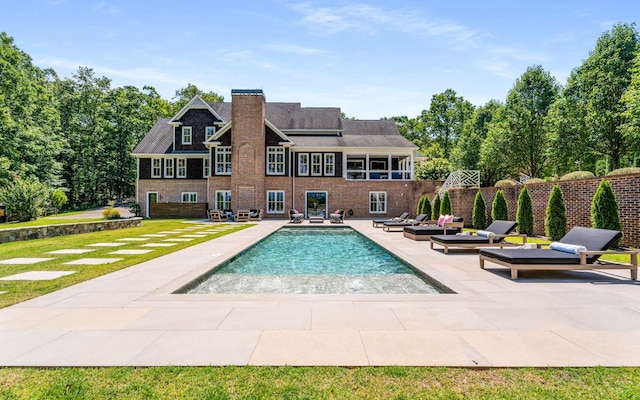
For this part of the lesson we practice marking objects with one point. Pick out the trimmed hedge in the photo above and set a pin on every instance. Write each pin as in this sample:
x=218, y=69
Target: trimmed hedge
x=504, y=182
x=435, y=207
x=479, y=211
x=604, y=208
x=524, y=213
x=577, y=175
x=555, y=222
x=445, y=206
x=499, y=208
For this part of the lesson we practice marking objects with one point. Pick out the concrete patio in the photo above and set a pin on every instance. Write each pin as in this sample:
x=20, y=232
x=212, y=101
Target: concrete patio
x=131, y=317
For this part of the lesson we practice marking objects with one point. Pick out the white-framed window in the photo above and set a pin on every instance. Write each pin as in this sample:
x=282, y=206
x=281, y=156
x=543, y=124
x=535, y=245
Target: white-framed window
x=275, y=160
x=275, y=201
x=186, y=135
x=303, y=164
x=355, y=169
x=181, y=167
x=316, y=164
x=156, y=168
x=206, y=171
x=189, y=197
x=377, y=202
x=168, y=167
x=223, y=160
x=329, y=164
x=209, y=131
x=223, y=200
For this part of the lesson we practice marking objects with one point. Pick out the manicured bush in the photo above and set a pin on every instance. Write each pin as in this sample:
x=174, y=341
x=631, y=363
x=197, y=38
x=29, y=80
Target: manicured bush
x=135, y=209
x=479, y=211
x=499, y=209
x=577, y=175
x=604, y=208
x=419, y=206
x=58, y=199
x=445, y=206
x=24, y=199
x=426, y=206
x=624, y=171
x=504, y=182
x=524, y=213
x=110, y=213
x=555, y=222
x=535, y=180
x=435, y=207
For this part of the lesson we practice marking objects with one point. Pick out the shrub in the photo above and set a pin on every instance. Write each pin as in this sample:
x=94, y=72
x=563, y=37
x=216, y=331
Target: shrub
x=426, y=206
x=445, y=206
x=623, y=171
x=555, y=222
x=479, y=211
x=524, y=213
x=24, y=199
x=604, y=209
x=58, y=199
x=435, y=207
x=577, y=175
x=499, y=209
x=534, y=180
x=504, y=182
x=110, y=213
x=135, y=208
x=419, y=206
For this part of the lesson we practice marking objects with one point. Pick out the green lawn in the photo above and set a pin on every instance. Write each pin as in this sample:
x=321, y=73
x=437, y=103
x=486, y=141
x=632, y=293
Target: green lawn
x=63, y=218
x=18, y=291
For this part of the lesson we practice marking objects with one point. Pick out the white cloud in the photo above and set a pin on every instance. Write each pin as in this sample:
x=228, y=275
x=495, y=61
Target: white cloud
x=294, y=49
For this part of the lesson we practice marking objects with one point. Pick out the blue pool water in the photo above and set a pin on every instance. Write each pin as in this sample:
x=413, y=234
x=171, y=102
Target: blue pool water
x=313, y=260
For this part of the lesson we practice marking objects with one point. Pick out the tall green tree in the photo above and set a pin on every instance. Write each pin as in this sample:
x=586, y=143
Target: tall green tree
x=631, y=102
x=466, y=154
x=435, y=207
x=499, y=209
x=183, y=95
x=524, y=213
x=604, y=208
x=445, y=119
x=479, y=211
x=495, y=162
x=445, y=206
x=555, y=222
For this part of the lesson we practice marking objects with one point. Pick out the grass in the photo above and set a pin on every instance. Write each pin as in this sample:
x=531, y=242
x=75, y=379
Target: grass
x=18, y=291
x=318, y=383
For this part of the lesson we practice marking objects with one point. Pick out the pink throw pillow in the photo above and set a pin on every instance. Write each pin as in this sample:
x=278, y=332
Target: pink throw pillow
x=448, y=218
x=441, y=220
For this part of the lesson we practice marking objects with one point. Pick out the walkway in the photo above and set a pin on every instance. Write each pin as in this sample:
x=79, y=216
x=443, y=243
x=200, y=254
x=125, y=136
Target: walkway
x=130, y=317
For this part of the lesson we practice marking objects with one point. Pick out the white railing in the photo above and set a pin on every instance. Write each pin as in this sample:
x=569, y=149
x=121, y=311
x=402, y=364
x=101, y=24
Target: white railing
x=461, y=178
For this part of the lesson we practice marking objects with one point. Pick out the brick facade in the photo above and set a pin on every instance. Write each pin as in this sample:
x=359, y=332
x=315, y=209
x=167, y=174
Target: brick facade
x=578, y=195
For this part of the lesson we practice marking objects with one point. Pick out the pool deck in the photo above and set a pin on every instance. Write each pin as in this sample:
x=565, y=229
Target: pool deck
x=130, y=317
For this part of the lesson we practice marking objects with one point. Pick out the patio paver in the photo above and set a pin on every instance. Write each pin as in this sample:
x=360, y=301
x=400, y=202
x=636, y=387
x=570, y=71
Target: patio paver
x=93, y=261
x=37, y=276
x=24, y=260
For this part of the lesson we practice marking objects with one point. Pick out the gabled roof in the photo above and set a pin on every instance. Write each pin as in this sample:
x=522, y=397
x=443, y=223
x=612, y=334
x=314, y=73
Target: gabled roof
x=195, y=103
x=159, y=140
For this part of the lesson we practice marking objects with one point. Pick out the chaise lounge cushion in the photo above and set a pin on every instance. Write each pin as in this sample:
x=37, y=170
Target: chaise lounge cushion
x=498, y=227
x=431, y=230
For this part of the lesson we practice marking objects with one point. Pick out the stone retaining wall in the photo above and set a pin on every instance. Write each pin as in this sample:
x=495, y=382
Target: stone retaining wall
x=42, y=232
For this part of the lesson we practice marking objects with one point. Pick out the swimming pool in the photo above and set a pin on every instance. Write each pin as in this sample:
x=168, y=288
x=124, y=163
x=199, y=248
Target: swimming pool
x=314, y=260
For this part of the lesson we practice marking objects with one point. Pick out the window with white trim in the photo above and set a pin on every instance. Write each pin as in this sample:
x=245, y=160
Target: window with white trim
x=205, y=168
x=275, y=160
x=189, y=197
x=156, y=168
x=223, y=200
x=168, y=167
x=275, y=201
x=186, y=135
x=377, y=202
x=329, y=164
x=181, y=167
x=316, y=164
x=303, y=164
x=223, y=160
x=209, y=131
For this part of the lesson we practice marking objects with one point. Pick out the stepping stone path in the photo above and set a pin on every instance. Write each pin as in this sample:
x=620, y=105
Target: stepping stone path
x=158, y=244
x=156, y=235
x=178, y=240
x=132, y=251
x=193, y=236
x=112, y=244
x=24, y=260
x=70, y=251
x=37, y=276
x=138, y=239
x=93, y=261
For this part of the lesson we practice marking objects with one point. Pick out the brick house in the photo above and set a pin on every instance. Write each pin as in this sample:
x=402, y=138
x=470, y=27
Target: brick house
x=252, y=154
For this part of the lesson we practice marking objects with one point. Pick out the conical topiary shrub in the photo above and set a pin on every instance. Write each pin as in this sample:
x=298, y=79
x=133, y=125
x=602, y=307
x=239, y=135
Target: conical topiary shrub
x=419, y=206
x=604, y=209
x=426, y=207
x=499, y=208
x=435, y=207
x=445, y=206
x=479, y=211
x=555, y=222
x=524, y=213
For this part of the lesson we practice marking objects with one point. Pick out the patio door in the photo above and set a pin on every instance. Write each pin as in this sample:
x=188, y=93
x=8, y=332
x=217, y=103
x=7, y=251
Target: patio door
x=316, y=204
x=152, y=197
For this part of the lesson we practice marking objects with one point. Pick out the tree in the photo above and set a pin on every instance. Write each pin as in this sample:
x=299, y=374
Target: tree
x=524, y=213
x=421, y=201
x=58, y=199
x=466, y=154
x=495, y=161
x=411, y=128
x=445, y=119
x=185, y=94
x=435, y=207
x=435, y=168
x=555, y=222
x=479, y=219
x=24, y=199
x=499, y=210
x=604, y=208
x=445, y=206
x=426, y=206
x=631, y=102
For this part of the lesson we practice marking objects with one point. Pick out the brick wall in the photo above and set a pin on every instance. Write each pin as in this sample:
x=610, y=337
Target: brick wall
x=578, y=195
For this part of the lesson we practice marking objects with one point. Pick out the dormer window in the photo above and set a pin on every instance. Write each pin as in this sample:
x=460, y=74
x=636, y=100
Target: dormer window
x=209, y=131
x=186, y=135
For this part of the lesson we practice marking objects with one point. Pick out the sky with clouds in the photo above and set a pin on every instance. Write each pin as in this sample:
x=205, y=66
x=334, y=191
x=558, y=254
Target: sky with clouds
x=373, y=59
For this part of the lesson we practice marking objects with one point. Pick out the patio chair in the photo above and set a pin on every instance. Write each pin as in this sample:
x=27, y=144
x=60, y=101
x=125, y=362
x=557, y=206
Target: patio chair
x=337, y=217
x=217, y=216
x=492, y=236
x=395, y=226
x=295, y=217
x=255, y=215
x=579, y=249
x=424, y=232
x=379, y=223
x=242, y=216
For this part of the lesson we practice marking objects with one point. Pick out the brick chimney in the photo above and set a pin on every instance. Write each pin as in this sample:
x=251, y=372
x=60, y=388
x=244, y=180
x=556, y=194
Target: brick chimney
x=248, y=149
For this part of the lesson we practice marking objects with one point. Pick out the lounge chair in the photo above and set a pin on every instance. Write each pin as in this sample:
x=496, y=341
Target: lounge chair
x=424, y=232
x=567, y=254
x=255, y=215
x=337, y=217
x=242, y=216
x=217, y=216
x=395, y=226
x=379, y=223
x=295, y=217
x=492, y=236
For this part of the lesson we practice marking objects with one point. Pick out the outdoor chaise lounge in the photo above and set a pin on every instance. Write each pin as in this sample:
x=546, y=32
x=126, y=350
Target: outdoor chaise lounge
x=579, y=249
x=492, y=236
x=255, y=215
x=398, y=226
x=424, y=232
x=242, y=216
x=379, y=223
x=295, y=217
x=337, y=217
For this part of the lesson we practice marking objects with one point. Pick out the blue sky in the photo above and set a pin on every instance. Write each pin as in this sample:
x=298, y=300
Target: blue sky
x=371, y=58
